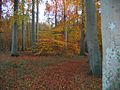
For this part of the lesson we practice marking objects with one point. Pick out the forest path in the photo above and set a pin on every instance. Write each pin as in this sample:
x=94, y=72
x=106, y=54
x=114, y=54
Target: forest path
x=46, y=73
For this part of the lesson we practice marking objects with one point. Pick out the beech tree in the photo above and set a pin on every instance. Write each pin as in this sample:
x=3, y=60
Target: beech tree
x=92, y=39
x=33, y=25
x=111, y=44
x=14, y=30
x=82, y=45
x=0, y=15
x=37, y=17
x=1, y=43
x=23, y=26
x=56, y=6
x=64, y=17
x=0, y=11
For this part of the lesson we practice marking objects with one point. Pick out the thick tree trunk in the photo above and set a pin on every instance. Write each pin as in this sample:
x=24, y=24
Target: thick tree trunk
x=92, y=40
x=111, y=44
x=14, y=30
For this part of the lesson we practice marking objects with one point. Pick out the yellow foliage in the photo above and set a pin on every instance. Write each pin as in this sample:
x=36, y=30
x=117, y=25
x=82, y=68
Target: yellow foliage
x=55, y=47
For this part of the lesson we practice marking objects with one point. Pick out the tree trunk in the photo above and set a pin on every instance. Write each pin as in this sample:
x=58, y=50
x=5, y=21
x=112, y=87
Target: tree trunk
x=27, y=35
x=65, y=29
x=14, y=30
x=2, y=48
x=37, y=18
x=82, y=45
x=92, y=40
x=56, y=12
x=33, y=25
x=0, y=14
x=1, y=33
x=22, y=48
x=111, y=44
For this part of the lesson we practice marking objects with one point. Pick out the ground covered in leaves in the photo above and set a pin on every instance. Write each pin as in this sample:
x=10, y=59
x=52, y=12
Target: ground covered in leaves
x=46, y=73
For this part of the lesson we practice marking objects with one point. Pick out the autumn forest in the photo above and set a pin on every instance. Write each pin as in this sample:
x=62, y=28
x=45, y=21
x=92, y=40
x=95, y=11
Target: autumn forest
x=59, y=45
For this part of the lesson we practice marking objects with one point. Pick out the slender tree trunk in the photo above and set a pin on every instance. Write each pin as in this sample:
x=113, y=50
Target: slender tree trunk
x=64, y=10
x=55, y=12
x=22, y=48
x=2, y=42
x=14, y=30
x=82, y=45
x=37, y=19
x=33, y=25
x=110, y=12
x=27, y=35
x=92, y=40
x=1, y=33
x=64, y=16
x=0, y=14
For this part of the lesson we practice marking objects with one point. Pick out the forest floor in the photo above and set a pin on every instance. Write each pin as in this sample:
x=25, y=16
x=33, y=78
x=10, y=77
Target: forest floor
x=27, y=72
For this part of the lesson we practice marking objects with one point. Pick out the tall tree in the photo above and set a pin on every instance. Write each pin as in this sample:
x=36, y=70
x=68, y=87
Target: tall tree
x=37, y=18
x=14, y=30
x=92, y=39
x=33, y=25
x=56, y=6
x=1, y=33
x=64, y=10
x=22, y=48
x=0, y=10
x=64, y=17
x=0, y=15
x=82, y=45
x=110, y=14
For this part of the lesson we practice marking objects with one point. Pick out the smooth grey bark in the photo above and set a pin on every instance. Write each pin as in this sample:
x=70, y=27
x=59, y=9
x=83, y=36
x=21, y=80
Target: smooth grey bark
x=33, y=25
x=82, y=42
x=92, y=39
x=14, y=31
x=110, y=13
